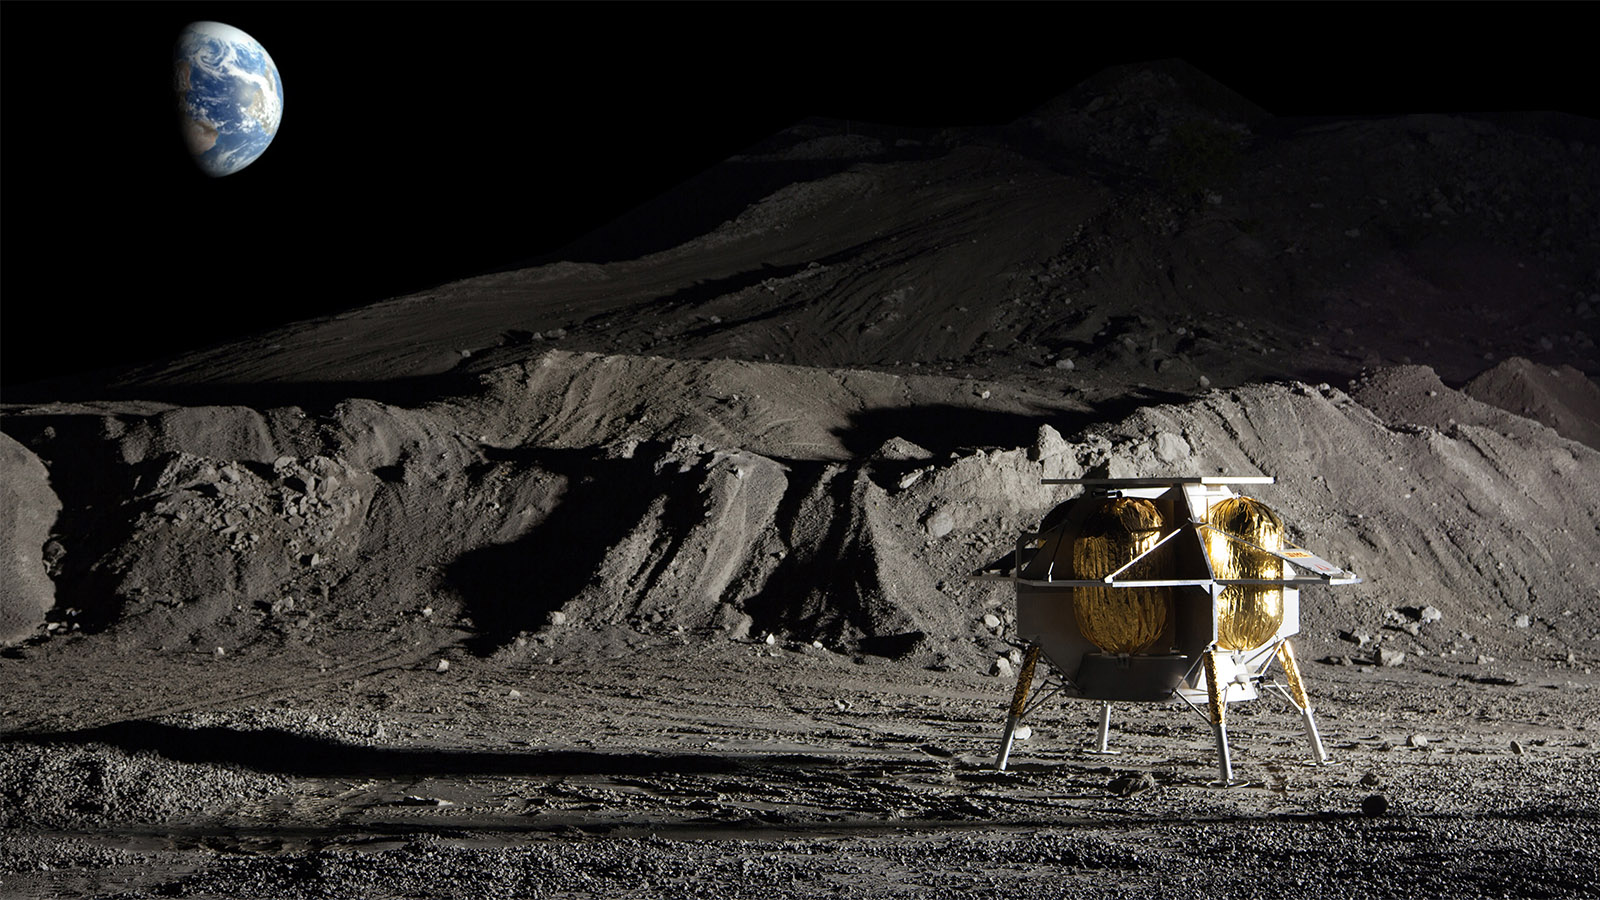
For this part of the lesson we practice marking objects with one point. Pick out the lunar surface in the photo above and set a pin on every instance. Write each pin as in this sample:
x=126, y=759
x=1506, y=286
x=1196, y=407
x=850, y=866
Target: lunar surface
x=646, y=573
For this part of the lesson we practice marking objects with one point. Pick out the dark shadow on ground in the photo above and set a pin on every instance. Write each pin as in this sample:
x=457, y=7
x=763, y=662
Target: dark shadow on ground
x=280, y=752
x=507, y=589
x=943, y=429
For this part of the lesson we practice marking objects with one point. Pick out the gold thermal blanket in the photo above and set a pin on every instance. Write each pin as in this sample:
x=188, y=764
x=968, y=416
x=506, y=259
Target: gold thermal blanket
x=1247, y=615
x=1118, y=619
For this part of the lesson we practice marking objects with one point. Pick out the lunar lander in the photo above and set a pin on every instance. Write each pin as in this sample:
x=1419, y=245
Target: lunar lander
x=1158, y=588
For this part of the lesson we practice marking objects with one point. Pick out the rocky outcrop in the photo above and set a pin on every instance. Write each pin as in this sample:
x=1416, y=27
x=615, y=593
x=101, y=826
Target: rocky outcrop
x=28, y=510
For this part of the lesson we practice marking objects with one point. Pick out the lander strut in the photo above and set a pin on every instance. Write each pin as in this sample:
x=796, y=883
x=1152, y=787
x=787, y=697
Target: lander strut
x=1153, y=589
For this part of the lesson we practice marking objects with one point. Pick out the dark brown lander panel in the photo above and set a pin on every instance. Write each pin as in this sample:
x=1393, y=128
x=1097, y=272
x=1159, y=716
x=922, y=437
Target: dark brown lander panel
x=1161, y=589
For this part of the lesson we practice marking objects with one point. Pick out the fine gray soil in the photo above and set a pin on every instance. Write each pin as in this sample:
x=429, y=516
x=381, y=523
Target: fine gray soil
x=648, y=573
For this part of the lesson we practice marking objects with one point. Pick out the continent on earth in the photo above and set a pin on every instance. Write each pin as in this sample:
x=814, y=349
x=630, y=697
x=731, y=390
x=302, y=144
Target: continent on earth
x=230, y=97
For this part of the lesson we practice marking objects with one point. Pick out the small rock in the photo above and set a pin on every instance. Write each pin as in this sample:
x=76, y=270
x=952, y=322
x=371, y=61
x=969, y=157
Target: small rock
x=991, y=621
x=414, y=800
x=558, y=618
x=1000, y=668
x=513, y=693
x=1483, y=660
x=442, y=666
x=940, y=524
x=1522, y=621
x=1431, y=614
x=739, y=626
x=1374, y=806
x=1047, y=443
x=1171, y=448
x=984, y=395
x=220, y=652
x=1417, y=740
x=1390, y=658
x=1131, y=783
x=1516, y=747
x=772, y=639
x=1359, y=638
x=1016, y=657
x=1370, y=779
x=1066, y=365
x=1204, y=382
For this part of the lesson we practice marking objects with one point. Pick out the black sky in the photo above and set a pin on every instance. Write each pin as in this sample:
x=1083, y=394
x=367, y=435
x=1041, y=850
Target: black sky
x=423, y=142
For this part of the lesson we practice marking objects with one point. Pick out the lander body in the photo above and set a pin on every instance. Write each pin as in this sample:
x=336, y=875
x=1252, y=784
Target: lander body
x=1155, y=589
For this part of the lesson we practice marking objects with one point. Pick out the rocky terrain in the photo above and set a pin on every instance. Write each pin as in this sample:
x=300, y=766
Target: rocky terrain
x=646, y=573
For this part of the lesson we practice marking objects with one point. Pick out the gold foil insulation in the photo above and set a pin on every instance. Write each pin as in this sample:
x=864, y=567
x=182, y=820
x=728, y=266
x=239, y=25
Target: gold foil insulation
x=1291, y=670
x=1118, y=619
x=1019, y=697
x=1248, y=616
x=1215, y=690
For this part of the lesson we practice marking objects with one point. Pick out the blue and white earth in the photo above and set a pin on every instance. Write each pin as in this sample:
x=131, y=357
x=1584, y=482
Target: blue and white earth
x=230, y=97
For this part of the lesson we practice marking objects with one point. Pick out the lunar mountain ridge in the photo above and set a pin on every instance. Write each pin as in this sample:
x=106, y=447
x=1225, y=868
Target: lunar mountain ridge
x=1145, y=241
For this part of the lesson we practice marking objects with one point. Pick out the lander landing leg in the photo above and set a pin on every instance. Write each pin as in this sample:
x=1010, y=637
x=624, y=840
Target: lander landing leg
x=1297, y=693
x=1219, y=723
x=1102, y=747
x=1019, y=702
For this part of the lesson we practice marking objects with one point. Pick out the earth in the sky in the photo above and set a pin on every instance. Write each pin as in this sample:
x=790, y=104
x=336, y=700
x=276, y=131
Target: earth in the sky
x=230, y=98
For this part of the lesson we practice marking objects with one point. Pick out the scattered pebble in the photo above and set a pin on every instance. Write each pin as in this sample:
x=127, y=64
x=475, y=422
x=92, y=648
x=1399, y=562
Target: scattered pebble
x=991, y=621
x=940, y=524
x=1131, y=783
x=1000, y=668
x=442, y=666
x=1431, y=614
x=1516, y=747
x=1391, y=658
x=558, y=618
x=1418, y=741
x=1374, y=806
